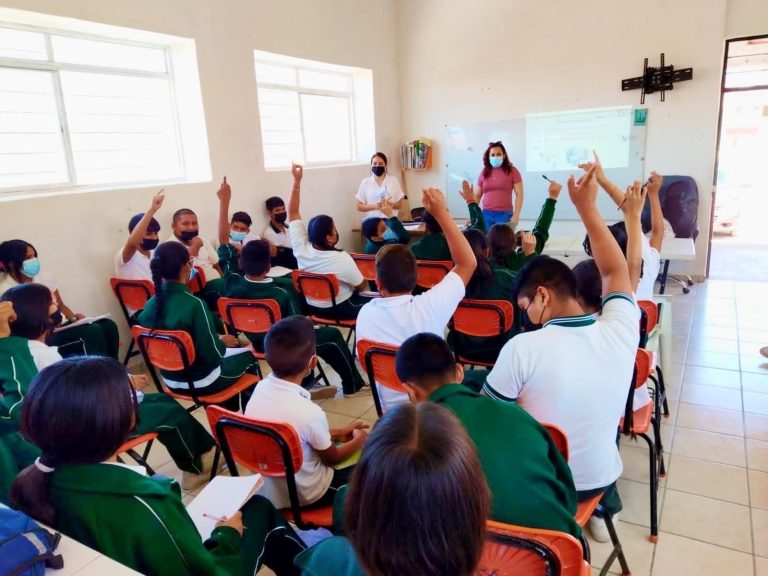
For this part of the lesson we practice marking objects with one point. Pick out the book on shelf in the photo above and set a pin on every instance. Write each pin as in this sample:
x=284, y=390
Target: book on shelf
x=416, y=155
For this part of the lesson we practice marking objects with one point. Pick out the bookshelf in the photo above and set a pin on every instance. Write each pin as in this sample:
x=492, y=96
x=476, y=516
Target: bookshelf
x=416, y=155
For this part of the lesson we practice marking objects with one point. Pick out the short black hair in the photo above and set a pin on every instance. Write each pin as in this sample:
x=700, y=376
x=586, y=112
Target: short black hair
x=243, y=218
x=12, y=255
x=425, y=360
x=154, y=225
x=182, y=212
x=619, y=232
x=289, y=345
x=274, y=202
x=432, y=225
x=318, y=230
x=370, y=227
x=589, y=283
x=30, y=303
x=396, y=268
x=545, y=271
x=255, y=258
x=380, y=155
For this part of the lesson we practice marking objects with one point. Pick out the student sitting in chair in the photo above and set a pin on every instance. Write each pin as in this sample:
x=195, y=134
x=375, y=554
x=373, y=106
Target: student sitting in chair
x=290, y=351
x=398, y=314
x=417, y=503
x=254, y=284
x=532, y=485
x=278, y=235
x=132, y=261
x=187, y=442
x=79, y=412
x=314, y=246
x=511, y=250
x=434, y=245
x=380, y=232
x=173, y=307
x=234, y=233
x=574, y=370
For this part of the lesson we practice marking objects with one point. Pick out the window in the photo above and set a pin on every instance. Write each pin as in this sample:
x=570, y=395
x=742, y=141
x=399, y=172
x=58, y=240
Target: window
x=313, y=113
x=79, y=109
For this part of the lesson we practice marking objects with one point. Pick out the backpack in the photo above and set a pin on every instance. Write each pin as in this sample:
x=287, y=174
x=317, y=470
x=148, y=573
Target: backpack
x=26, y=549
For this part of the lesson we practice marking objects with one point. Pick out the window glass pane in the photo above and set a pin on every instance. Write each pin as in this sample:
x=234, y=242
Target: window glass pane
x=327, y=136
x=112, y=55
x=275, y=74
x=280, y=127
x=22, y=44
x=31, y=147
x=121, y=127
x=324, y=81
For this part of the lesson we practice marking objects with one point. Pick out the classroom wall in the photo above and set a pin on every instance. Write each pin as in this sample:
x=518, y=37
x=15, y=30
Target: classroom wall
x=498, y=59
x=746, y=18
x=77, y=235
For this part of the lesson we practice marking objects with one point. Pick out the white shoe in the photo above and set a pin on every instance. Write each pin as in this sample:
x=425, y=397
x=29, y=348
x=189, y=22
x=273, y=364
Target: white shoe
x=598, y=528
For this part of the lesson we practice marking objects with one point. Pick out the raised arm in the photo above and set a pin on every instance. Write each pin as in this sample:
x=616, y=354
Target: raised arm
x=616, y=193
x=632, y=207
x=606, y=252
x=225, y=195
x=476, y=218
x=294, y=201
x=657, y=216
x=463, y=257
x=138, y=233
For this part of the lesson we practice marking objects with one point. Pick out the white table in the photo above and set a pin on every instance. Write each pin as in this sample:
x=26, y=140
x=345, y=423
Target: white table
x=675, y=249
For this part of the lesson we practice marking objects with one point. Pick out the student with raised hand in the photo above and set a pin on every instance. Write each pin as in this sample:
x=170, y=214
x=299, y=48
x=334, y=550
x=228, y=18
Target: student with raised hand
x=173, y=307
x=79, y=412
x=379, y=232
x=132, y=261
x=417, y=503
x=505, y=253
x=234, y=233
x=277, y=233
x=314, y=246
x=256, y=285
x=434, y=244
x=22, y=266
x=398, y=314
x=188, y=443
x=290, y=352
x=571, y=369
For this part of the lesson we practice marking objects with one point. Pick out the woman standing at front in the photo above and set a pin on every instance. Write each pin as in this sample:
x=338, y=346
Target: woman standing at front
x=495, y=185
x=378, y=187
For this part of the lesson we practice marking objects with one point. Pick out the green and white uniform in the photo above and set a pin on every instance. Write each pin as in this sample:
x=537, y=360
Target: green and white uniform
x=435, y=246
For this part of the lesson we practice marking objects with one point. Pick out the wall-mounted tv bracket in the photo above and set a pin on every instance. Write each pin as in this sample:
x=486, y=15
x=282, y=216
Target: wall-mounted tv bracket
x=656, y=79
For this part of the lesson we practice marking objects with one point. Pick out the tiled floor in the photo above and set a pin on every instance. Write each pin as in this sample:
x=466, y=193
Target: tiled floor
x=713, y=504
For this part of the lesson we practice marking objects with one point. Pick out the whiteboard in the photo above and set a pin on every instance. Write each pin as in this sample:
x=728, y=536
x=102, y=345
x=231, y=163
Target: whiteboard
x=550, y=144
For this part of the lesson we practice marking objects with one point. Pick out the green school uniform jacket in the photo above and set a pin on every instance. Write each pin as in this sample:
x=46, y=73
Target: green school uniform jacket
x=529, y=479
x=183, y=311
x=138, y=521
x=517, y=259
x=17, y=368
x=435, y=246
x=331, y=557
x=403, y=237
x=228, y=258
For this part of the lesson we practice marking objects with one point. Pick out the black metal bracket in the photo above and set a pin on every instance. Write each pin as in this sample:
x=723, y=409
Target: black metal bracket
x=656, y=79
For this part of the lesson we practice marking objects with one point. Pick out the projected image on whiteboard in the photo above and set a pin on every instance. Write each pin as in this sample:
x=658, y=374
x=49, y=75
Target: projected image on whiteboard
x=561, y=140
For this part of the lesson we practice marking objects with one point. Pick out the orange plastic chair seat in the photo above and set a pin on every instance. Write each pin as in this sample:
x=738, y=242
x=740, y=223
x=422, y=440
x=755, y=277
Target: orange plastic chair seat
x=243, y=383
x=465, y=360
x=131, y=443
x=333, y=321
x=133, y=293
x=585, y=509
x=321, y=516
x=366, y=263
x=641, y=419
x=431, y=272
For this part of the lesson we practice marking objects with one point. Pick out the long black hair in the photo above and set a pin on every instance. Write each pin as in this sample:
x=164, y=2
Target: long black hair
x=318, y=229
x=483, y=275
x=77, y=411
x=31, y=303
x=506, y=165
x=501, y=239
x=166, y=264
x=12, y=256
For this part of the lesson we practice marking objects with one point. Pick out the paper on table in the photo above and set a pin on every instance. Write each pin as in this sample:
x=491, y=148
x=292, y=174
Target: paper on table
x=88, y=320
x=278, y=271
x=413, y=226
x=223, y=496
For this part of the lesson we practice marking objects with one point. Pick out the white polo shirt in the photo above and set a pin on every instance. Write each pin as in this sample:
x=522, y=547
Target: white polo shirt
x=371, y=193
x=324, y=262
x=137, y=268
x=277, y=238
x=395, y=319
x=277, y=400
x=651, y=263
x=42, y=354
x=206, y=258
x=575, y=372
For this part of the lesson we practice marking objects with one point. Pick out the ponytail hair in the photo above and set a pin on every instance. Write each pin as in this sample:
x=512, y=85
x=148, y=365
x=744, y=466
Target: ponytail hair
x=318, y=230
x=483, y=274
x=166, y=264
x=78, y=411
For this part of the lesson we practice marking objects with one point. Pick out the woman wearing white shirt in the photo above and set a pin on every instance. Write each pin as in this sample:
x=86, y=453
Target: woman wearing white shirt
x=377, y=187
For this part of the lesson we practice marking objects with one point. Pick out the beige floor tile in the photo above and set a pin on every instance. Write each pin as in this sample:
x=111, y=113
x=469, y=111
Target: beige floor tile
x=707, y=519
x=757, y=455
x=635, y=460
x=370, y=415
x=760, y=531
x=637, y=549
x=714, y=345
x=338, y=420
x=635, y=496
x=758, y=489
x=756, y=403
x=708, y=376
x=679, y=556
x=709, y=446
x=756, y=426
x=710, y=359
x=722, y=332
x=761, y=566
x=710, y=419
x=754, y=364
x=711, y=396
x=354, y=406
x=711, y=479
x=753, y=382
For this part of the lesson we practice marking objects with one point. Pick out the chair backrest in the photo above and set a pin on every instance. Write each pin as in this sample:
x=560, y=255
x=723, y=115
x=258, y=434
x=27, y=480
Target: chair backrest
x=559, y=438
x=530, y=551
x=199, y=281
x=171, y=350
x=644, y=365
x=251, y=316
x=483, y=318
x=132, y=294
x=366, y=263
x=430, y=272
x=323, y=287
x=379, y=362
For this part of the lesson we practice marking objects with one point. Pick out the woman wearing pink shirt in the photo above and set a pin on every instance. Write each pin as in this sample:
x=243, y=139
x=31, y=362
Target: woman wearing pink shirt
x=495, y=185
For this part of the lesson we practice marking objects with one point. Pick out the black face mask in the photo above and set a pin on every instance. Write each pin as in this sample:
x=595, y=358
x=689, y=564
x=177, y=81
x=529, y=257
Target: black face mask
x=149, y=245
x=378, y=170
x=187, y=235
x=281, y=217
x=528, y=324
x=55, y=319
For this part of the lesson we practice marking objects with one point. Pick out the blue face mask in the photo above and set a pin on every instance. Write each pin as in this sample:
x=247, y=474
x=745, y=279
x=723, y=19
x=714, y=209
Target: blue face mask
x=390, y=236
x=192, y=274
x=31, y=267
x=237, y=236
x=496, y=161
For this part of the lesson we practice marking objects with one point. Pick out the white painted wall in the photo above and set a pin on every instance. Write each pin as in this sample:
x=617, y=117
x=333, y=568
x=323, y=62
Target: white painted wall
x=77, y=235
x=746, y=18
